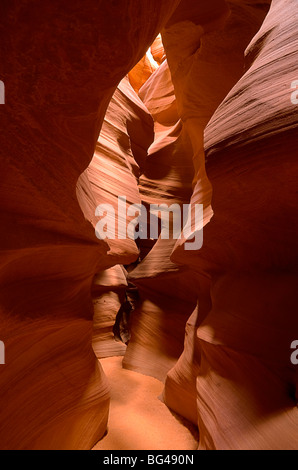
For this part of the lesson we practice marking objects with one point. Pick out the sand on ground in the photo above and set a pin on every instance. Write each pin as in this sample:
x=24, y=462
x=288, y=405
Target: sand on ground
x=138, y=419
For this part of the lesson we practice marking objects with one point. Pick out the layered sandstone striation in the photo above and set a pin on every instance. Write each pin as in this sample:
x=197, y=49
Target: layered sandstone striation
x=158, y=323
x=100, y=105
x=236, y=365
x=60, y=64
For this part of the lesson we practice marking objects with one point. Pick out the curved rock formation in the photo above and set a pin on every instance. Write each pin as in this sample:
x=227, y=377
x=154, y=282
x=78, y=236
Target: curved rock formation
x=205, y=116
x=57, y=91
x=114, y=171
x=176, y=160
x=158, y=323
x=245, y=386
x=108, y=294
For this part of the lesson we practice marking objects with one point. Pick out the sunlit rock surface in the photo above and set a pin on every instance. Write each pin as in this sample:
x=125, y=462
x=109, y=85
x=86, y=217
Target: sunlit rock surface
x=245, y=386
x=114, y=171
x=61, y=64
x=108, y=293
x=162, y=106
x=157, y=341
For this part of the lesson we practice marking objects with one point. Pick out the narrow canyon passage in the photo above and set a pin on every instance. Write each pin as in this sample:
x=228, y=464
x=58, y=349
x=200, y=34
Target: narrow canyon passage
x=144, y=422
x=148, y=193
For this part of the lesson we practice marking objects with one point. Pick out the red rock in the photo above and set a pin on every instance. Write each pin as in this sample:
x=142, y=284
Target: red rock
x=60, y=64
x=245, y=381
x=210, y=120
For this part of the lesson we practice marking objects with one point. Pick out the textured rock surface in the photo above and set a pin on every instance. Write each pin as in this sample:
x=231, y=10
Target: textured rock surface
x=108, y=293
x=213, y=124
x=245, y=382
x=158, y=323
x=197, y=57
x=120, y=155
x=146, y=423
x=61, y=64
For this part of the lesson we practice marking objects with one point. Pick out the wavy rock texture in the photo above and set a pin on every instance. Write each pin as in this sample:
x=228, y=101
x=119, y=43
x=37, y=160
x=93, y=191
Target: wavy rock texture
x=158, y=323
x=181, y=109
x=61, y=64
x=142, y=71
x=108, y=293
x=115, y=169
x=154, y=57
x=245, y=384
x=204, y=47
x=213, y=124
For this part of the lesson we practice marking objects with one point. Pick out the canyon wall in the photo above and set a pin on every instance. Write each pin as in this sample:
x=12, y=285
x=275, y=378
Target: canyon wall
x=234, y=378
x=205, y=118
x=236, y=369
x=158, y=323
x=60, y=63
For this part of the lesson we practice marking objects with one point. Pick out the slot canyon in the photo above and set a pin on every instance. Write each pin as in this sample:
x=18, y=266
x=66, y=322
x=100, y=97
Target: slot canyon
x=150, y=341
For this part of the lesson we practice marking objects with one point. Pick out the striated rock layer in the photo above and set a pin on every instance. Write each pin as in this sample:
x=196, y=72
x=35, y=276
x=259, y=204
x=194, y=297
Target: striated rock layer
x=108, y=293
x=210, y=123
x=60, y=64
x=114, y=171
x=236, y=367
x=159, y=321
x=181, y=109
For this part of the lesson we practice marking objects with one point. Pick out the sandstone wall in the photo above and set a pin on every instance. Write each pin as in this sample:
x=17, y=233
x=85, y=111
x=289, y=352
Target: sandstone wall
x=60, y=63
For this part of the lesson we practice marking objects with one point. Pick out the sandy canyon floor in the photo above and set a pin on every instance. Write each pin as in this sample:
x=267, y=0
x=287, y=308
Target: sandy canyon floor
x=138, y=419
